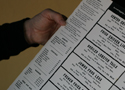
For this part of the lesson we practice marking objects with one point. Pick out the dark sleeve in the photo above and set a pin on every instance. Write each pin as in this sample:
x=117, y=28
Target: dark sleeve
x=120, y=2
x=12, y=40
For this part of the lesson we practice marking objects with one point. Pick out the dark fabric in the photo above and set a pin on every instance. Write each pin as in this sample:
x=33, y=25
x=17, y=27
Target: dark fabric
x=12, y=40
x=120, y=2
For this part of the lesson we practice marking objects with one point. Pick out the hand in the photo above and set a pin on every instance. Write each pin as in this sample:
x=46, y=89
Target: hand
x=41, y=27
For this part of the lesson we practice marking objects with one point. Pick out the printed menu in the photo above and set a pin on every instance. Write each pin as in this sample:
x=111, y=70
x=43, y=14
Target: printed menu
x=86, y=54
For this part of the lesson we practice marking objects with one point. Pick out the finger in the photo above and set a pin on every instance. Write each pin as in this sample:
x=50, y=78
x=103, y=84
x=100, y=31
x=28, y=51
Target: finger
x=58, y=18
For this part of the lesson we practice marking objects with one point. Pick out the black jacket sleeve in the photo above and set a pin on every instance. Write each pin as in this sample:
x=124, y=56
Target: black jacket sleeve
x=120, y=2
x=12, y=40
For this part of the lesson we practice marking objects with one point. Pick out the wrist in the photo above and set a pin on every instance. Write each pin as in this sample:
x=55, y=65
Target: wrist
x=27, y=34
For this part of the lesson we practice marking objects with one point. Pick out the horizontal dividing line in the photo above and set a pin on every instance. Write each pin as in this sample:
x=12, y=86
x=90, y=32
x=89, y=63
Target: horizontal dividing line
x=111, y=33
x=105, y=52
x=93, y=67
x=54, y=84
x=118, y=79
x=75, y=77
x=117, y=87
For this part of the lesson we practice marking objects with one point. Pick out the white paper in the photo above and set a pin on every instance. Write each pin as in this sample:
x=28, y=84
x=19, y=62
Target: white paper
x=86, y=54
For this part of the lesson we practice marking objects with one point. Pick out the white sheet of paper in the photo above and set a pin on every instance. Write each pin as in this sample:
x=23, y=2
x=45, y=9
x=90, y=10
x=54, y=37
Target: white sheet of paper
x=86, y=54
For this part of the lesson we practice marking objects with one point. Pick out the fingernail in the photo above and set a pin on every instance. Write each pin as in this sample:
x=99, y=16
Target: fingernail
x=62, y=22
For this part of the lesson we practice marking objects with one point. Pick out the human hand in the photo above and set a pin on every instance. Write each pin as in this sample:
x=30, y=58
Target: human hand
x=40, y=28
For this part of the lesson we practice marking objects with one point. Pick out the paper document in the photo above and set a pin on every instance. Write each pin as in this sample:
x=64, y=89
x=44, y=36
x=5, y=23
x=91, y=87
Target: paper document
x=86, y=54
